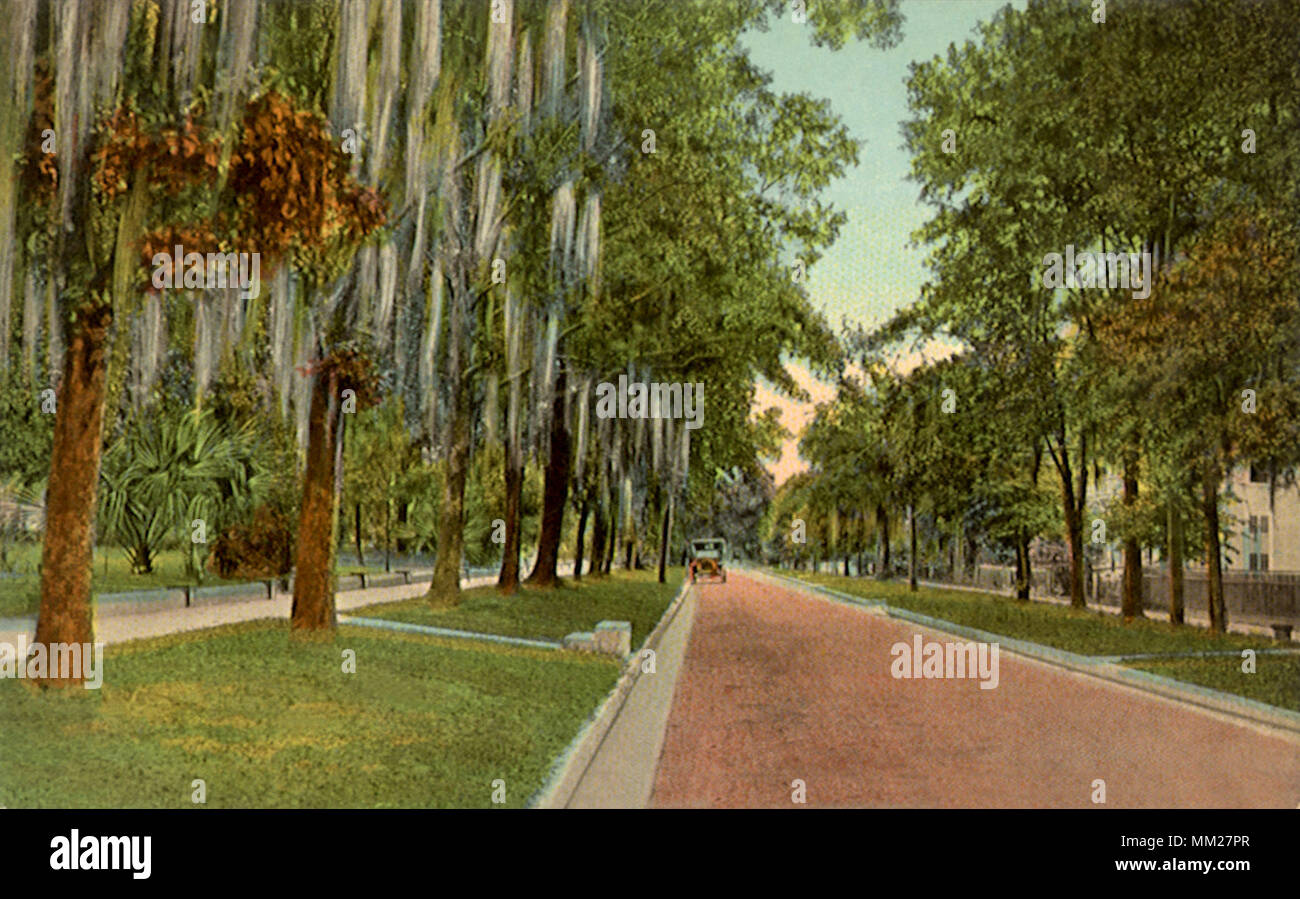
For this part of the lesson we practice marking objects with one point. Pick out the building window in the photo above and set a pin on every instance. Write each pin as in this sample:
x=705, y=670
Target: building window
x=1258, y=474
x=1256, y=543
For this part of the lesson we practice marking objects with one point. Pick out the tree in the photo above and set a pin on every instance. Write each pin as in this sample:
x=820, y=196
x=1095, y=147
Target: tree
x=1217, y=350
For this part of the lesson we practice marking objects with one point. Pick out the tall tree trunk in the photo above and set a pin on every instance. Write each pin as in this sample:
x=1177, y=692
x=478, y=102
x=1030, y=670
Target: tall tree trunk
x=1020, y=564
x=882, y=519
x=1073, y=502
x=1174, y=527
x=361, y=555
x=599, y=538
x=68, y=551
x=1131, y=604
x=1024, y=568
x=555, y=491
x=444, y=589
x=88, y=51
x=313, y=583
x=614, y=526
x=911, y=552
x=1074, y=535
x=1213, y=561
x=508, y=580
x=665, y=540
x=400, y=543
x=582, y=538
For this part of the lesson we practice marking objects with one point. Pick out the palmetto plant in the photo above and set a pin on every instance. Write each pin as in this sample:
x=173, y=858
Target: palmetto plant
x=22, y=513
x=167, y=474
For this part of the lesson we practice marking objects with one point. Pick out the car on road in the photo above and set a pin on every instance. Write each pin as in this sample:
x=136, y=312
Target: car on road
x=709, y=559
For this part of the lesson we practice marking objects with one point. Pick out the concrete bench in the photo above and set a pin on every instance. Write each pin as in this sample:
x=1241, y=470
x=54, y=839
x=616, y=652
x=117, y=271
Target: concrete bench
x=609, y=638
x=1282, y=631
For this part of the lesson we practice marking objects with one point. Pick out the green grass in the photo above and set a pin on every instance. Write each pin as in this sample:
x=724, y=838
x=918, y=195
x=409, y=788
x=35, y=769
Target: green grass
x=1276, y=680
x=1087, y=632
x=111, y=573
x=576, y=606
x=268, y=722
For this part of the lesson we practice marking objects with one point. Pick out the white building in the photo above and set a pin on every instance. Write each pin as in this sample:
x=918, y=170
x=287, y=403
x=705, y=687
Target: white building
x=1262, y=535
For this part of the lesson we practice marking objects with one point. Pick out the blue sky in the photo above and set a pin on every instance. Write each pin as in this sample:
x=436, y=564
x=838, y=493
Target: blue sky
x=870, y=271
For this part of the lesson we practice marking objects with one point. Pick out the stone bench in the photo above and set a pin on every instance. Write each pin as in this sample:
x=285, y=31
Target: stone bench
x=1282, y=631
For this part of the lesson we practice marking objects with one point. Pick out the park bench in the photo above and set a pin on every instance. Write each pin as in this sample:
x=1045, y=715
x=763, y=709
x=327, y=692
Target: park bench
x=1282, y=631
x=187, y=588
x=268, y=583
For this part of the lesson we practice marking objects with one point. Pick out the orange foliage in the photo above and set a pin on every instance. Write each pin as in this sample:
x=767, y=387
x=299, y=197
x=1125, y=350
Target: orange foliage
x=40, y=169
x=289, y=184
x=292, y=182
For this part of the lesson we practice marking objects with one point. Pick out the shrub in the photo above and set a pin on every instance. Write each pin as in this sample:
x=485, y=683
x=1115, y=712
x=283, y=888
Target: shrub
x=261, y=548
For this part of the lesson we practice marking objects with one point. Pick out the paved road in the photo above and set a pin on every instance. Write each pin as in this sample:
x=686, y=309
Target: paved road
x=778, y=685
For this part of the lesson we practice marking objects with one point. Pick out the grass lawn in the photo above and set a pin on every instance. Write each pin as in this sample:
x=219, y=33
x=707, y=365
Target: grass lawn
x=111, y=573
x=1276, y=680
x=1087, y=632
x=634, y=596
x=271, y=723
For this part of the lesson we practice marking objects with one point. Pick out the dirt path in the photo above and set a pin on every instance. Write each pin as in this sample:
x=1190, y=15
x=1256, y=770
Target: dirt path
x=778, y=686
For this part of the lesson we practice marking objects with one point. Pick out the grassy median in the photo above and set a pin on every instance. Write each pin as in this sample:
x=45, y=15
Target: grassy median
x=634, y=596
x=1090, y=632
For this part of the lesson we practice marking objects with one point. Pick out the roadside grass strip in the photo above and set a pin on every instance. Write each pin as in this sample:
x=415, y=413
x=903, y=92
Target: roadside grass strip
x=266, y=721
x=549, y=614
x=1213, y=679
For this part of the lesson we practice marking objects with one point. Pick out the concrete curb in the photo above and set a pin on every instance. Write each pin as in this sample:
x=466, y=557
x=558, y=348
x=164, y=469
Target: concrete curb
x=1102, y=667
x=569, y=768
x=408, y=628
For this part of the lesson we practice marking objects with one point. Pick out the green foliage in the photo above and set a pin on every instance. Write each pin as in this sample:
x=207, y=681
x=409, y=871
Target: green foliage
x=167, y=472
x=28, y=432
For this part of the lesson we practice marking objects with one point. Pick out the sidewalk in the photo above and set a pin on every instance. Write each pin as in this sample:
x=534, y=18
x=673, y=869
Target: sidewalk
x=138, y=626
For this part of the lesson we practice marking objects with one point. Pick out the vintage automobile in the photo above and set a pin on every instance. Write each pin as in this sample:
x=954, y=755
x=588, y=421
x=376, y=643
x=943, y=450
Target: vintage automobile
x=708, y=559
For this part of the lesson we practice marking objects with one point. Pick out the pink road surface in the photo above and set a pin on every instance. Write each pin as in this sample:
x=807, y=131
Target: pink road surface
x=777, y=685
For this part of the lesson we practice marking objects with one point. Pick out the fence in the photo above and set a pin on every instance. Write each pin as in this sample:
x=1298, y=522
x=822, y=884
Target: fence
x=1260, y=597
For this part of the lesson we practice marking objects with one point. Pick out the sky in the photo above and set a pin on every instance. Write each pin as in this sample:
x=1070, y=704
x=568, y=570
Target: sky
x=870, y=271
